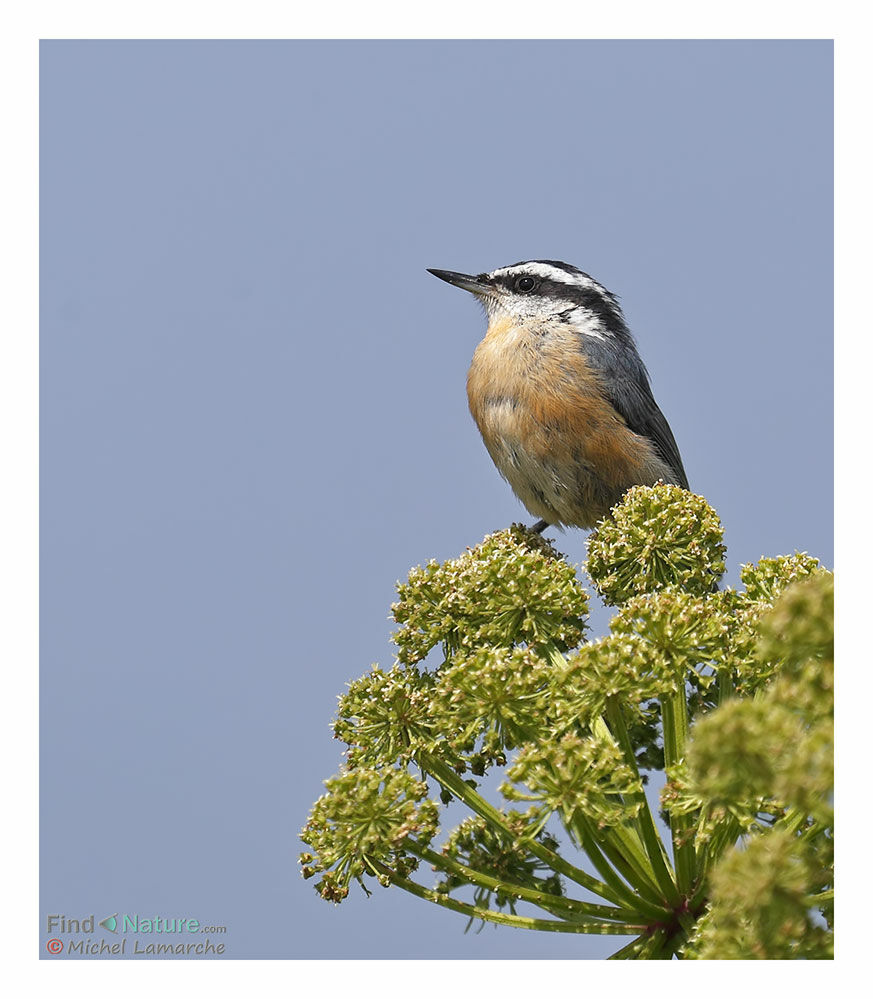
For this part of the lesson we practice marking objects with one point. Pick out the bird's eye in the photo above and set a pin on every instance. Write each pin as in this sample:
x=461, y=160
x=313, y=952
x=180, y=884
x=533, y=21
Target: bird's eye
x=525, y=283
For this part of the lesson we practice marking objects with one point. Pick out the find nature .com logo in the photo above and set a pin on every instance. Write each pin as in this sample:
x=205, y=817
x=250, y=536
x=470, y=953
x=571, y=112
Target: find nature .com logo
x=148, y=936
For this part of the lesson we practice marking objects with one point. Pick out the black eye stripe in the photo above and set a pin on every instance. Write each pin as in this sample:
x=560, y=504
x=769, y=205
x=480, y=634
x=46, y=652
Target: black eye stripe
x=543, y=287
x=593, y=298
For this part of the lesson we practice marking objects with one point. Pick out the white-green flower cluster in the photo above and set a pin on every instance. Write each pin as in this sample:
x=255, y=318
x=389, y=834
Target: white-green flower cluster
x=658, y=536
x=729, y=691
x=361, y=825
x=512, y=589
x=576, y=777
x=772, y=755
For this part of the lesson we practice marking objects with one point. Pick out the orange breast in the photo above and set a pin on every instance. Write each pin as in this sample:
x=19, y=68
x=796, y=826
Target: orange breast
x=544, y=419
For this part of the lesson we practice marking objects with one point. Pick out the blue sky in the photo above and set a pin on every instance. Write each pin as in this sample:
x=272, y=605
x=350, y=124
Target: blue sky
x=253, y=417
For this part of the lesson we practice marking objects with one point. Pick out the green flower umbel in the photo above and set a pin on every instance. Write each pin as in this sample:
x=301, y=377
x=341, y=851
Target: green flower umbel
x=727, y=692
x=576, y=776
x=760, y=907
x=512, y=589
x=479, y=846
x=360, y=825
x=657, y=536
x=496, y=695
x=385, y=717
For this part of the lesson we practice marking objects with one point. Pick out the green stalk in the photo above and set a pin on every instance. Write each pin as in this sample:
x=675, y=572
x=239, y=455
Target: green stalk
x=582, y=911
x=653, y=947
x=605, y=849
x=645, y=822
x=687, y=922
x=618, y=893
x=630, y=951
x=624, y=842
x=792, y=820
x=699, y=896
x=820, y=898
x=813, y=829
x=725, y=836
x=506, y=918
x=553, y=654
x=674, y=713
x=669, y=947
x=643, y=853
x=725, y=685
x=461, y=789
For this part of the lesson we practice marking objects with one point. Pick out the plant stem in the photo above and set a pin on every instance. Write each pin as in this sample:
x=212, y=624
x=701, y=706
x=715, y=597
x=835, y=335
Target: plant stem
x=622, y=896
x=645, y=822
x=725, y=836
x=792, y=820
x=652, y=948
x=506, y=918
x=674, y=713
x=573, y=907
x=607, y=850
x=639, y=855
x=645, y=899
x=725, y=685
x=820, y=898
x=630, y=951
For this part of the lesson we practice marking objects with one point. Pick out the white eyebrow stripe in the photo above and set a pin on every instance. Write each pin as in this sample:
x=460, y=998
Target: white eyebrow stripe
x=547, y=271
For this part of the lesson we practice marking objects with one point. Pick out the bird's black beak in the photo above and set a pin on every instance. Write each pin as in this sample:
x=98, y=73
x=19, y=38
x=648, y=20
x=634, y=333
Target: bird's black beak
x=477, y=285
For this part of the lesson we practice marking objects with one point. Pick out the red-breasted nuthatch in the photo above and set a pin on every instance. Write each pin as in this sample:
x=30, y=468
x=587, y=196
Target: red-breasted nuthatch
x=560, y=394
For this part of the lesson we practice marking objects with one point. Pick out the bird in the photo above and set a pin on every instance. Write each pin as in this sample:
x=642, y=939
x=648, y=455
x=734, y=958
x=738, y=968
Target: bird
x=560, y=394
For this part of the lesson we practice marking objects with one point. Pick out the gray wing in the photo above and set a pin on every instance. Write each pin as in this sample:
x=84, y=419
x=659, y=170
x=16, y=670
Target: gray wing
x=632, y=397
